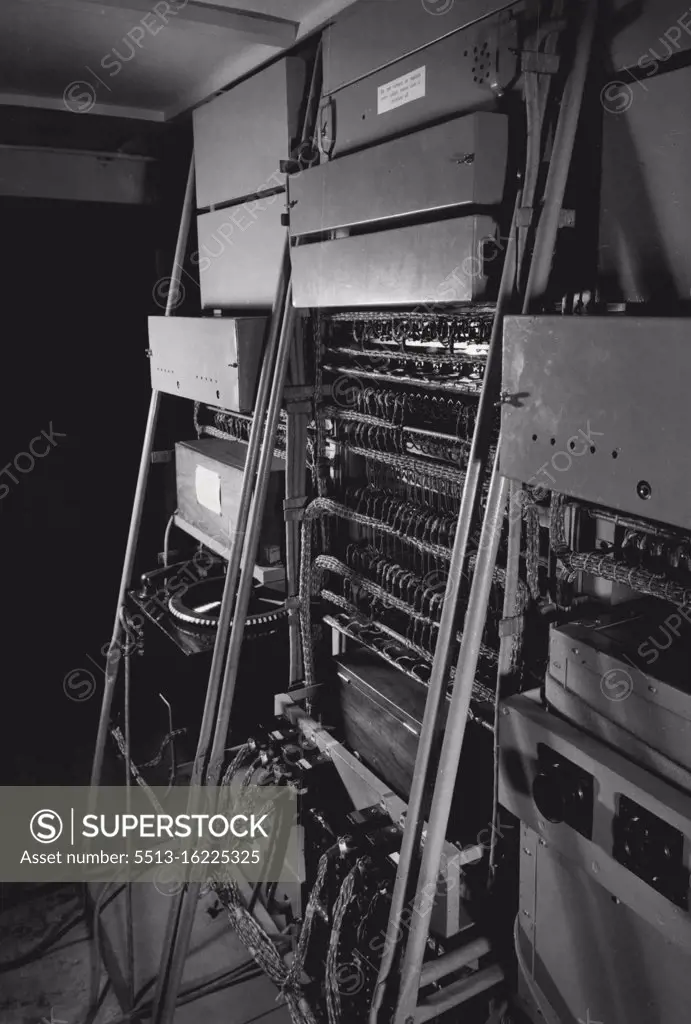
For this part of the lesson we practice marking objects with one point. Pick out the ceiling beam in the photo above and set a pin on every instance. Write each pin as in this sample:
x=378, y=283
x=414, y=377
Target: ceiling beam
x=321, y=14
x=13, y=99
x=224, y=75
x=259, y=28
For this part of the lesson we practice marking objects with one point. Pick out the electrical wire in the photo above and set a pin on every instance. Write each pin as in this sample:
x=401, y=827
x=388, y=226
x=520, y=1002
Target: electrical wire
x=197, y=990
x=95, y=973
x=129, y=912
x=166, y=538
x=57, y=932
x=348, y=892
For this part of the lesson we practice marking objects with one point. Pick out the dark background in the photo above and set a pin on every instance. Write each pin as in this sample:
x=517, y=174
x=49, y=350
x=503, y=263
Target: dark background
x=77, y=283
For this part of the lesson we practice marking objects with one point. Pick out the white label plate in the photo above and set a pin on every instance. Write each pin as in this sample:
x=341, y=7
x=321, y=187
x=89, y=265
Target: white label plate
x=402, y=90
x=207, y=485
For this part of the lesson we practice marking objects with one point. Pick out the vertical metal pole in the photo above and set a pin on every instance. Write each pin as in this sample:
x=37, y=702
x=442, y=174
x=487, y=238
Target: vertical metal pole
x=477, y=465
x=454, y=733
x=129, y=915
x=509, y=610
x=113, y=658
x=181, y=917
x=251, y=543
x=177, y=946
x=296, y=479
x=477, y=608
x=240, y=527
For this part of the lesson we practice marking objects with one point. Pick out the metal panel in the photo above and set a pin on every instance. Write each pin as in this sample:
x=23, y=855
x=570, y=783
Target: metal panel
x=214, y=360
x=239, y=269
x=241, y=136
x=525, y=728
x=647, y=34
x=404, y=266
x=459, y=73
x=461, y=162
x=590, y=956
x=645, y=246
x=612, y=666
x=598, y=408
x=373, y=33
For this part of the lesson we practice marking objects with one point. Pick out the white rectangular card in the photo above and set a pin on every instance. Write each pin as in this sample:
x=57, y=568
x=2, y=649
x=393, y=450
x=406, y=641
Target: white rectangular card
x=402, y=90
x=207, y=485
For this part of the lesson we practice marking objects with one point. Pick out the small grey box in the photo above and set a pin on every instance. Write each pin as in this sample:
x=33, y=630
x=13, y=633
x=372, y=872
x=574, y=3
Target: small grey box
x=213, y=360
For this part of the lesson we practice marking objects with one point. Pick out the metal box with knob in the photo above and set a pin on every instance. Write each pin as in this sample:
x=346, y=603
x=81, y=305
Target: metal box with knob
x=213, y=360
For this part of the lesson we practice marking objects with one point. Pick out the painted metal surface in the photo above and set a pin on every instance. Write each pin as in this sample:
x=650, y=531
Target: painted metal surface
x=597, y=408
x=374, y=33
x=241, y=136
x=644, y=244
x=459, y=73
x=213, y=360
x=631, y=669
x=591, y=956
x=459, y=163
x=209, y=482
x=649, y=32
x=526, y=728
x=404, y=266
x=240, y=255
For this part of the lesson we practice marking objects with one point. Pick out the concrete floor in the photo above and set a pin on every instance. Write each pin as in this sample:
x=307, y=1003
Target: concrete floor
x=55, y=989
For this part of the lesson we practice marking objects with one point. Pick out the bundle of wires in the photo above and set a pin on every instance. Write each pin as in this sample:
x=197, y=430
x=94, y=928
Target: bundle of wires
x=350, y=889
x=264, y=951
